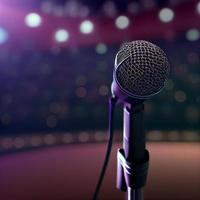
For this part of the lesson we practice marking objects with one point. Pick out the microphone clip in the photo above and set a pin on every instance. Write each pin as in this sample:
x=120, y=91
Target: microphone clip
x=132, y=175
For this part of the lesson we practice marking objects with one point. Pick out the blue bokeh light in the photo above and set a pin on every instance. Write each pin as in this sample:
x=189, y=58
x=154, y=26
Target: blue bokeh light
x=3, y=35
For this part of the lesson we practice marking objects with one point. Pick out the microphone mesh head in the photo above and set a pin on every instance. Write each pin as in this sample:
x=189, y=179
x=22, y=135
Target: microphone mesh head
x=141, y=68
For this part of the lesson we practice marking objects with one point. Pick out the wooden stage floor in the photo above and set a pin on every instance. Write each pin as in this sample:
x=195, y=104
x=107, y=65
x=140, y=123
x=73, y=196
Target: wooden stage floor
x=70, y=172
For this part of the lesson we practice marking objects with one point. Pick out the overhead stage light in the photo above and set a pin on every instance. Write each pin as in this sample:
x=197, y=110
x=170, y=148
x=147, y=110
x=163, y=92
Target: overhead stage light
x=61, y=35
x=33, y=20
x=122, y=22
x=166, y=15
x=86, y=27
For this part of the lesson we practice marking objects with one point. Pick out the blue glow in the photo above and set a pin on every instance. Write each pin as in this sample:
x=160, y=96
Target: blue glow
x=3, y=35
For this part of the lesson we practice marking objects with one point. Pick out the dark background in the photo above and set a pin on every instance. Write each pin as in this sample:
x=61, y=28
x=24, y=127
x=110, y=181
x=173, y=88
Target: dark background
x=50, y=86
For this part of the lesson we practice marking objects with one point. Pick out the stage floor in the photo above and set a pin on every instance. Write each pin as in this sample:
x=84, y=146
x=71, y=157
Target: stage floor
x=71, y=171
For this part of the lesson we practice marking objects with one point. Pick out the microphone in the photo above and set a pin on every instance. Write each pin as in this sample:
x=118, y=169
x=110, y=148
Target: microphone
x=141, y=68
x=140, y=71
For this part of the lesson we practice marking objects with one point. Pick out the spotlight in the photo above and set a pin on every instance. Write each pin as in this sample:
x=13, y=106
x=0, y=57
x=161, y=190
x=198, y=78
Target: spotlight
x=86, y=27
x=61, y=35
x=33, y=20
x=122, y=22
x=166, y=15
x=193, y=35
x=3, y=35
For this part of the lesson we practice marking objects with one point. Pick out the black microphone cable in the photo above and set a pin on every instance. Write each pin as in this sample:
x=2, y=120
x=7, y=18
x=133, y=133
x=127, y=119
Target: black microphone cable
x=112, y=102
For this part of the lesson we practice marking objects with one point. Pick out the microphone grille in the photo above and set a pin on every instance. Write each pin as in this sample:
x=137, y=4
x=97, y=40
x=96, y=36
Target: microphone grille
x=141, y=68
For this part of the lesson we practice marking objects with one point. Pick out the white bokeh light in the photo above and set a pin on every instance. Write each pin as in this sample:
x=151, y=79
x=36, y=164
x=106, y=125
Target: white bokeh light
x=166, y=15
x=193, y=34
x=101, y=48
x=3, y=35
x=33, y=20
x=61, y=35
x=198, y=7
x=86, y=27
x=122, y=22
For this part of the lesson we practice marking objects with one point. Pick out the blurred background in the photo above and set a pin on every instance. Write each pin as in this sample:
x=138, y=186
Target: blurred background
x=56, y=62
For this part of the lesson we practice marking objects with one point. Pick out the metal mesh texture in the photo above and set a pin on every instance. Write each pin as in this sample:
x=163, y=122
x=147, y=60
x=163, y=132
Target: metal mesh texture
x=144, y=68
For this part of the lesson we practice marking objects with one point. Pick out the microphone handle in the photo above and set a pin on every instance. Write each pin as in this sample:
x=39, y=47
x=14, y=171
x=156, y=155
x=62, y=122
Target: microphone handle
x=133, y=133
x=134, y=141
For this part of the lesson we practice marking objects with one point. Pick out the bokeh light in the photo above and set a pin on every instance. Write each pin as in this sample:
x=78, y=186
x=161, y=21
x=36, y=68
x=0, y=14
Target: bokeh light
x=3, y=35
x=174, y=136
x=155, y=135
x=49, y=139
x=193, y=34
x=81, y=92
x=180, y=96
x=33, y=20
x=99, y=136
x=198, y=7
x=46, y=6
x=61, y=35
x=133, y=7
x=122, y=22
x=166, y=15
x=190, y=136
x=192, y=113
x=101, y=48
x=18, y=142
x=7, y=143
x=83, y=137
x=67, y=138
x=103, y=90
x=81, y=80
x=109, y=8
x=35, y=141
x=86, y=27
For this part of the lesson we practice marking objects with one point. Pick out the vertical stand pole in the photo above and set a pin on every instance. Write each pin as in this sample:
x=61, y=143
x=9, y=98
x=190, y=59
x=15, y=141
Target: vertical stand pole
x=133, y=194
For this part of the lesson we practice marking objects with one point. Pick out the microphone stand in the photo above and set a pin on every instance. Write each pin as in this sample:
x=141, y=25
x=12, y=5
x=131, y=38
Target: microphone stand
x=133, y=158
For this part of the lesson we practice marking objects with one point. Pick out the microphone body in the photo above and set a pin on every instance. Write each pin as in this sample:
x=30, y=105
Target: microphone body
x=141, y=69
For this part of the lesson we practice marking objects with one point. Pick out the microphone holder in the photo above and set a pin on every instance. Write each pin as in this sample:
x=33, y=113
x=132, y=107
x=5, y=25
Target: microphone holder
x=133, y=158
